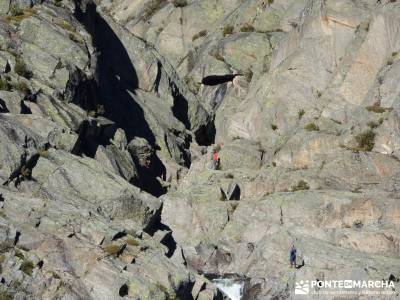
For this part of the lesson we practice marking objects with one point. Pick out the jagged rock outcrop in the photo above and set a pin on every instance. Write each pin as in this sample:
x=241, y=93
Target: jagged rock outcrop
x=83, y=150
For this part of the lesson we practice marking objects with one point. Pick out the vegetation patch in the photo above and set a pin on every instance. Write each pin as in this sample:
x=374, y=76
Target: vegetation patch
x=17, y=14
x=179, y=3
x=21, y=69
x=301, y=186
x=19, y=254
x=16, y=11
x=376, y=108
x=199, y=34
x=228, y=29
x=373, y=124
x=27, y=267
x=114, y=250
x=4, y=85
x=132, y=242
x=311, y=127
x=6, y=296
x=365, y=140
x=66, y=26
x=247, y=28
x=300, y=113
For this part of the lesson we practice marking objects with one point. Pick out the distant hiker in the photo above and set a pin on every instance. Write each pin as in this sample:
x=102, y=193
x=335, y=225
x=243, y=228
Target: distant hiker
x=215, y=160
x=293, y=254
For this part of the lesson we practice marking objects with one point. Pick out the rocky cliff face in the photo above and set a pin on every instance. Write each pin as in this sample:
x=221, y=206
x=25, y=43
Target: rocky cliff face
x=109, y=112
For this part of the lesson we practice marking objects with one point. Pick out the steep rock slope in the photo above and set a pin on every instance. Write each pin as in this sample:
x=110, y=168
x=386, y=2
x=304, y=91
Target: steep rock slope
x=108, y=109
x=90, y=133
x=304, y=99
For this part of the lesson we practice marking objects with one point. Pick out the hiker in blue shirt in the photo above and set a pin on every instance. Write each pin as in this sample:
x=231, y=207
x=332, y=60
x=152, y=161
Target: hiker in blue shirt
x=293, y=253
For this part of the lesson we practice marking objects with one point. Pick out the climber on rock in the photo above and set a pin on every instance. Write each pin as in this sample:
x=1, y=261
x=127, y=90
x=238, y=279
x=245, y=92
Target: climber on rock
x=293, y=254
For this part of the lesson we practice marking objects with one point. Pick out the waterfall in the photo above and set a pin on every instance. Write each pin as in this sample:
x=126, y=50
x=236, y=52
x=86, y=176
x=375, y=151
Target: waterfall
x=233, y=288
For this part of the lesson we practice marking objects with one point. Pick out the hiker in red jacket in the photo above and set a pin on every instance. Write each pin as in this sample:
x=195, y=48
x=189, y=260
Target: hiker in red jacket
x=215, y=160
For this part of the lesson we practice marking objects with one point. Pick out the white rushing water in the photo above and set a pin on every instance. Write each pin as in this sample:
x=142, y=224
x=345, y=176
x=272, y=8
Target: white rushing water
x=230, y=287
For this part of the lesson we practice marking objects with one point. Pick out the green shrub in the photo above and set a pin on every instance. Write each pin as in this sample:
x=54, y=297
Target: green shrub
x=376, y=108
x=228, y=29
x=114, y=250
x=4, y=85
x=366, y=140
x=16, y=11
x=179, y=3
x=301, y=113
x=27, y=267
x=19, y=254
x=17, y=14
x=274, y=127
x=247, y=28
x=21, y=69
x=301, y=185
x=66, y=26
x=6, y=296
x=57, y=3
x=132, y=242
x=311, y=127
x=199, y=34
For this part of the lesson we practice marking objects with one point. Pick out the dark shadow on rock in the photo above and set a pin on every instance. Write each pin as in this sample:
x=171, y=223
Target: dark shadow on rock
x=92, y=134
x=205, y=136
x=169, y=242
x=147, y=180
x=156, y=224
x=114, y=90
x=181, y=107
x=184, y=291
x=217, y=79
x=115, y=75
x=25, y=109
x=301, y=265
x=81, y=90
x=3, y=107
